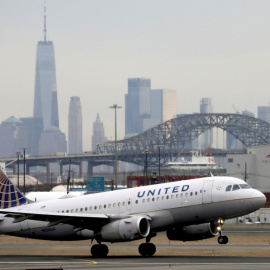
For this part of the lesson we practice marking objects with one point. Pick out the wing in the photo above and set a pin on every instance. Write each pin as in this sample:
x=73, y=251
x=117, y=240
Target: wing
x=80, y=221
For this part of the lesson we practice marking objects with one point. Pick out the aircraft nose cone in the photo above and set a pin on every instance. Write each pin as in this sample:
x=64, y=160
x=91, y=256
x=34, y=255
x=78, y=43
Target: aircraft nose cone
x=259, y=198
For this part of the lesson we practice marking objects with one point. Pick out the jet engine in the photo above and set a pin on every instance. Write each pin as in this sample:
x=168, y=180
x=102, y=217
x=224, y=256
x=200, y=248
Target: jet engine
x=194, y=232
x=128, y=229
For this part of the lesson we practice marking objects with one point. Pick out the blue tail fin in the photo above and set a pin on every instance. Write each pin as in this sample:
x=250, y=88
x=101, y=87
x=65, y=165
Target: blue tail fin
x=10, y=196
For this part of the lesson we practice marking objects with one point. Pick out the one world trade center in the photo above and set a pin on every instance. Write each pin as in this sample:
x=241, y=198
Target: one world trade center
x=45, y=99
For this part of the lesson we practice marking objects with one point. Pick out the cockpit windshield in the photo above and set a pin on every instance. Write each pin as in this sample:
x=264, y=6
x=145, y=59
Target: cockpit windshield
x=236, y=187
x=244, y=186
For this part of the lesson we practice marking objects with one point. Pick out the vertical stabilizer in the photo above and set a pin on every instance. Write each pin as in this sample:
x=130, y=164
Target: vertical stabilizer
x=10, y=196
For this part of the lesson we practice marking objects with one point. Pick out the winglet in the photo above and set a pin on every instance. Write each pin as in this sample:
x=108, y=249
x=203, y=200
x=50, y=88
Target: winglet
x=10, y=196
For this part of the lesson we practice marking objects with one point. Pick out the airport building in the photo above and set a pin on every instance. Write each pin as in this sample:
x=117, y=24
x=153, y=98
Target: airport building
x=253, y=166
x=75, y=126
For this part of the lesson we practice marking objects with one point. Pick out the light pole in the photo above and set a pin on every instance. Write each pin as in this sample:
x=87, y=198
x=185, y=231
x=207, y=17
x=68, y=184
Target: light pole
x=146, y=153
x=24, y=169
x=115, y=106
x=159, y=146
x=18, y=168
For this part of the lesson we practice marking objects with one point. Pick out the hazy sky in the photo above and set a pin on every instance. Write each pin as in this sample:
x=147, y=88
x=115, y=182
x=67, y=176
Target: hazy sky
x=217, y=49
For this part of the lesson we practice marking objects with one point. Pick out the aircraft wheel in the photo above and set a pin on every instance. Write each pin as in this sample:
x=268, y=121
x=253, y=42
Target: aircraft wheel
x=147, y=249
x=223, y=240
x=226, y=240
x=151, y=248
x=99, y=251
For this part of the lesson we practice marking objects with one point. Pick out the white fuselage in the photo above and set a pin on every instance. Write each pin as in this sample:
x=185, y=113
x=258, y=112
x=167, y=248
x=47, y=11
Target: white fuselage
x=165, y=205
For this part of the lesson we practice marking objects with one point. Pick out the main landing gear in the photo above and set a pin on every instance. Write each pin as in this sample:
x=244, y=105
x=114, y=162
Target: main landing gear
x=99, y=251
x=145, y=249
x=148, y=249
x=222, y=239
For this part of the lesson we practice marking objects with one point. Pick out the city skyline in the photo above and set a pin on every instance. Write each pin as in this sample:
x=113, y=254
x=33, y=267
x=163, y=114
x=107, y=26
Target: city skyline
x=199, y=49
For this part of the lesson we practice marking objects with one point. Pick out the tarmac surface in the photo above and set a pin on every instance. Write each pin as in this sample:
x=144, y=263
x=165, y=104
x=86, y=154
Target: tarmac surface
x=248, y=248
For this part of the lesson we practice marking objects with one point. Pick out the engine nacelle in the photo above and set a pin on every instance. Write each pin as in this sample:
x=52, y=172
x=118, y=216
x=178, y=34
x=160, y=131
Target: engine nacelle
x=128, y=229
x=193, y=232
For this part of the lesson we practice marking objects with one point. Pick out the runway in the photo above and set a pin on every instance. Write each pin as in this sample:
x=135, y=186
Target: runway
x=248, y=248
x=133, y=262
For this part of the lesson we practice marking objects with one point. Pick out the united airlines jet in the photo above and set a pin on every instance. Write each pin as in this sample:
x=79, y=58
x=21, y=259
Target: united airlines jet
x=186, y=210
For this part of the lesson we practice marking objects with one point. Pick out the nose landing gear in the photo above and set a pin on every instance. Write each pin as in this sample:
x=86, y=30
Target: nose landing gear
x=222, y=239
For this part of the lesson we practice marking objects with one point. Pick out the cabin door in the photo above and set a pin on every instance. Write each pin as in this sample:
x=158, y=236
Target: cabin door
x=207, y=191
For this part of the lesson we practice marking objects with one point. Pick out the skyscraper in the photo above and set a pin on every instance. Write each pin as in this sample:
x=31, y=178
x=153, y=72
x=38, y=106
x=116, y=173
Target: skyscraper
x=264, y=113
x=45, y=99
x=75, y=126
x=12, y=136
x=206, y=139
x=137, y=105
x=163, y=107
x=98, y=133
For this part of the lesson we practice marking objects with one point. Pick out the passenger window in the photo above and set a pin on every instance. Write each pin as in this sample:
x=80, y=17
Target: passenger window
x=228, y=188
x=119, y=204
x=123, y=203
x=148, y=200
x=177, y=195
x=72, y=210
x=86, y=208
x=100, y=206
x=143, y=200
x=90, y=208
x=109, y=205
x=114, y=205
x=196, y=193
x=104, y=205
x=167, y=197
x=81, y=209
x=153, y=199
x=136, y=201
x=235, y=187
x=157, y=198
x=95, y=207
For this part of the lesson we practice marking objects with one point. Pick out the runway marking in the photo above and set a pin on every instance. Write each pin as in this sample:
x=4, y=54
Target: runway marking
x=139, y=263
x=93, y=262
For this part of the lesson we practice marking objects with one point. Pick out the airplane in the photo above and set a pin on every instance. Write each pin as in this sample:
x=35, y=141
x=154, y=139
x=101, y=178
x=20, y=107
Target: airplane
x=186, y=210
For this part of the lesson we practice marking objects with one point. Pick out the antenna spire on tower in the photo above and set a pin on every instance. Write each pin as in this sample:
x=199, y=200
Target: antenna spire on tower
x=45, y=30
